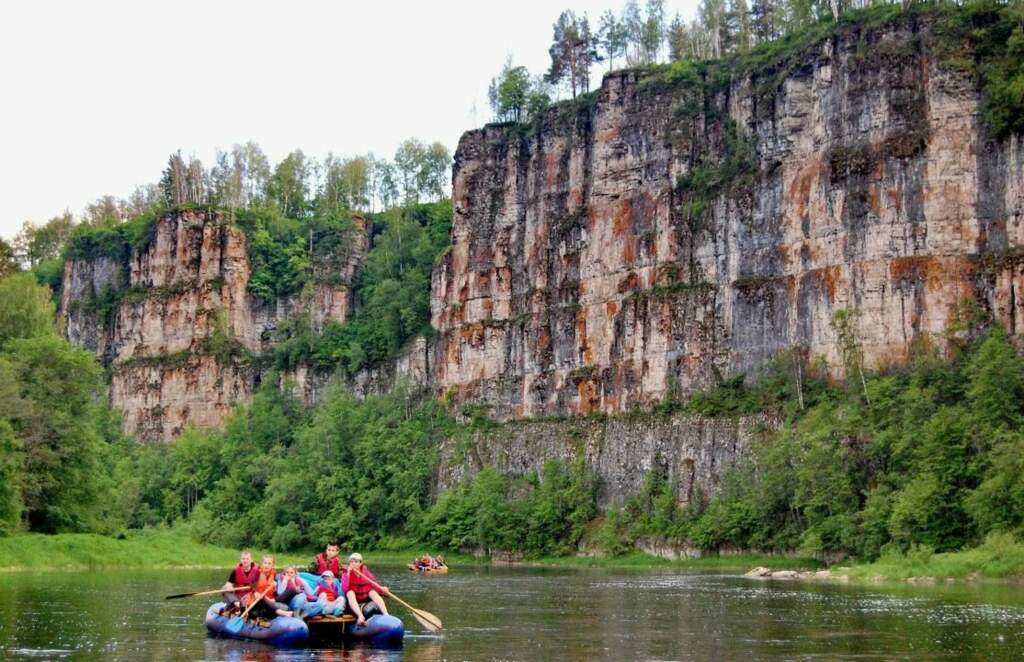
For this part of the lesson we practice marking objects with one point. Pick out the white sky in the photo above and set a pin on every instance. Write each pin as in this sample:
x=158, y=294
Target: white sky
x=95, y=95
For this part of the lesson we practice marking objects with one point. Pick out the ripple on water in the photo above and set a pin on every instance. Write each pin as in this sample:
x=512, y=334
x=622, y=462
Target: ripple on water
x=39, y=652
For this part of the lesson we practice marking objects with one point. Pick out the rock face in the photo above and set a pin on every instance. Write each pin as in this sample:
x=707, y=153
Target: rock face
x=668, y=231
x=693, y=452
x=152, y=318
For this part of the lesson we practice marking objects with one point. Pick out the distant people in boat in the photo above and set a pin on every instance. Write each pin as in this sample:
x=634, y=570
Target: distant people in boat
x=361, y=589
x=244, y=574
x=428, y=562
x=327, y=560
x=266, y=581
x=327, y=595
x=293, y=591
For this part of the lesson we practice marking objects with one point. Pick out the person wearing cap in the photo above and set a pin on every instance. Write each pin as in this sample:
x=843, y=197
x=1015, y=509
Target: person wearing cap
x=362, y=590
x=327, y=595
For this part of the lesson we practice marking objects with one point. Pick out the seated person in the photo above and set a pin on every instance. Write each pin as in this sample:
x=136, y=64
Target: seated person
x=266, y=585
x=327, y=595
x=326, y=560
x=293, y=591
x=361, y=589
x=244, y=575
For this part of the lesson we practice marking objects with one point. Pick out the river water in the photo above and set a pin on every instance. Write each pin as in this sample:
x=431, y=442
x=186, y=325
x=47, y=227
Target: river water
x=535, y=614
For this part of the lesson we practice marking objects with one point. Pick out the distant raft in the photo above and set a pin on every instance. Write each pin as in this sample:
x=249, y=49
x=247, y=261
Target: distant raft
x=439, y=570
x=282, y=631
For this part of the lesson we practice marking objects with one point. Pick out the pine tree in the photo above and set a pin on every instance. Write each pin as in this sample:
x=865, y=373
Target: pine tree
x=764, y=20
x=573, y=50
x=678, y=38
x=739, y=25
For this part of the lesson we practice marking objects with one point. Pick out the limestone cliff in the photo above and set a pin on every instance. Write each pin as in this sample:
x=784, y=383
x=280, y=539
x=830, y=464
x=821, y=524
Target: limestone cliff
x=673, y=229
x=665, y=231
x=175, y=322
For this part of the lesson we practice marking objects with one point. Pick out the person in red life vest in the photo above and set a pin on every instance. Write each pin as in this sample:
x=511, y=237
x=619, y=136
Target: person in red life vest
x=326, y=560
x=266, y=581
x=244, y=574
x=327, y=595
x=362, y=590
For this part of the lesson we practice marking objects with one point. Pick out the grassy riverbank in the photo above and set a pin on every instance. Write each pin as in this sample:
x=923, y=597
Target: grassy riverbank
x=174, y=549
x=160, y=549
x=1001, y=556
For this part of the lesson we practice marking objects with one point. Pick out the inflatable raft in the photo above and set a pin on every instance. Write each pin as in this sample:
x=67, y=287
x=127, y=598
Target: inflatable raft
x=428, y=571
x=282, y=631
x=380, y=630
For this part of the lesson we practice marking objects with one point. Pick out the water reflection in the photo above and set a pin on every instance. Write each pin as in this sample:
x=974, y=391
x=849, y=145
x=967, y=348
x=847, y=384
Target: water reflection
x=527, y=614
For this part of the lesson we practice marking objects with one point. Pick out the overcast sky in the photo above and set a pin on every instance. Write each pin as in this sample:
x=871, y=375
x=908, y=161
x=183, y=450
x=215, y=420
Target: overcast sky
x=96, y=95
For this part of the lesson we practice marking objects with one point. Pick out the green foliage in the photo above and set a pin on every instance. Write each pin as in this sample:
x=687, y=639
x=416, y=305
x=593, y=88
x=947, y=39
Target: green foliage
x=277, y=476
x=26, y=309
x=55, y=391
x=987, y=36
x=999, y=555
x=50, y=273
x=930, y=457
x=392, y=294
x=541, y=515
x=11, y=463
x=112, y=239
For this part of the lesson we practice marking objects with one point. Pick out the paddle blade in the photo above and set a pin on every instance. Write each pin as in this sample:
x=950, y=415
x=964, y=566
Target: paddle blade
x=427, y=620
x=235, y=624
x=178, y=595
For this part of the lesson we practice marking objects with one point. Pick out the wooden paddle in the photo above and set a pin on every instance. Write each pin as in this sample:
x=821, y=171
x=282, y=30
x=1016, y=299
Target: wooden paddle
x=237, y=589
x=236, y=623
x=425, y=618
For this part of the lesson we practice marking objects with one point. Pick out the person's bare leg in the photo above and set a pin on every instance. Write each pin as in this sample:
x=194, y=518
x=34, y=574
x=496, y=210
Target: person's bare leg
x=353, y=604
x=379, y=601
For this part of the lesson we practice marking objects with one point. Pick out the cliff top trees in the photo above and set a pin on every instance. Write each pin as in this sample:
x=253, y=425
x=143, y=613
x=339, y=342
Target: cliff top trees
x=573, y=50
x=509, y=92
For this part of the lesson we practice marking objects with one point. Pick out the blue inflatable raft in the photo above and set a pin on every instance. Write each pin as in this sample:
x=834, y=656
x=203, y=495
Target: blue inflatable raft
x=282, y=631
x=380, y=630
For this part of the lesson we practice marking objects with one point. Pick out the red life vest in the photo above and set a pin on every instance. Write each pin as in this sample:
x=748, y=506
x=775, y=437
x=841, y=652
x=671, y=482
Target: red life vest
x=361, y=586
x=243, y=578
x=322, y=565
x=330, y=589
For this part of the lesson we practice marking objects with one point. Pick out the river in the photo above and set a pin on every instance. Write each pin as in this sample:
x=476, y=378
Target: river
x=535, y=614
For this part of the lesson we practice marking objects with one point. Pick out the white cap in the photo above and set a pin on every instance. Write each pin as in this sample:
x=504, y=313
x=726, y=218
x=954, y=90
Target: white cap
x=326, y=573
x=355, y=556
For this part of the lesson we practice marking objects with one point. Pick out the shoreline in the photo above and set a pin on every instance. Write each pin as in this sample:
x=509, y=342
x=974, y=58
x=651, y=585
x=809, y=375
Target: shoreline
x=993, y=561
x=170, y=550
